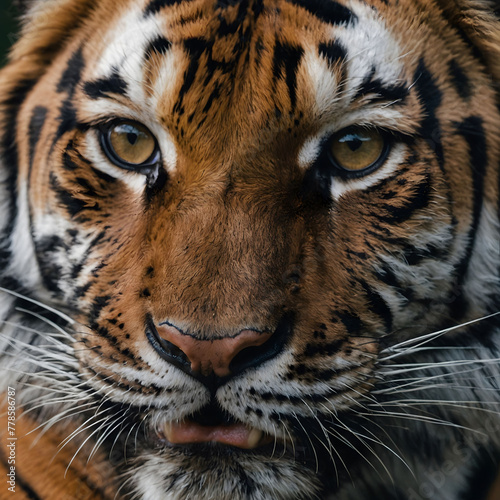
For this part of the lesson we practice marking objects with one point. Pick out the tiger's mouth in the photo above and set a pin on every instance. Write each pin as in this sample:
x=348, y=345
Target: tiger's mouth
x=212, y=425
x=237, y=435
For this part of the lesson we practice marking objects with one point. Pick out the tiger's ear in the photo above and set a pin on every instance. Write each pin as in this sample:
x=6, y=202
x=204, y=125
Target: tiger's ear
x=479, y=21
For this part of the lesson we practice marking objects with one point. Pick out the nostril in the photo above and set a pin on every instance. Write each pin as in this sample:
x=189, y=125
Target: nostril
x=167, y=350
x=255, y=355
x=174, y=351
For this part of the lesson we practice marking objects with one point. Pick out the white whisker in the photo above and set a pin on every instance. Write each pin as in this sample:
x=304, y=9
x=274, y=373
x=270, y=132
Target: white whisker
x=423, y=339
x=65, y=317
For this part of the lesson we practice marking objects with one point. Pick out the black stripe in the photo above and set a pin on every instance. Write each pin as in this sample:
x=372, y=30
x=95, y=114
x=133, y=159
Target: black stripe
x=108, y=179
x=414, y=256
x=352, y=322
x=68, y=83
x=430, y=97
x=215, y=94
x=97, y=306
x=326, y=349
x=318, y=178
x=234, y=26
x=97, y=239
x=159, y=45
x=411, y=254
x=327, y=11
x=257, y=8
x=333, y=52
x=38, y=117
x=156, y=5
x=398, y=214
x=138, y=389
x=223, y=4
x=76, y=269
x=26, y=489
x=73, y=205
x=464, y=35
x=81, y=291
x=72, y=73
x=11, y=283
x=87, y=188
x=101, y=87
x=459, y=79
x=47, y=250
x=67, y=161
x=386, y=275
x=374, y=86
x=67, y=119
x=194, y=47
x=472, y=130
x=378, y=305
x=286, y=59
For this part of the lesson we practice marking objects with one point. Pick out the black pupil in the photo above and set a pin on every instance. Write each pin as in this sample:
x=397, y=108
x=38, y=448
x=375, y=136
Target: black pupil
x=132, y=138
x=353, y=142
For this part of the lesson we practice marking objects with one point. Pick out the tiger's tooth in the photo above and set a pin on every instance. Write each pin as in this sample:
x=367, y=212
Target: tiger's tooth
x=254, y=437
x=167, y=431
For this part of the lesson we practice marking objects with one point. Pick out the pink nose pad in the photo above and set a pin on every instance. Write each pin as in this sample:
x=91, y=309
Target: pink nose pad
x=212, y=356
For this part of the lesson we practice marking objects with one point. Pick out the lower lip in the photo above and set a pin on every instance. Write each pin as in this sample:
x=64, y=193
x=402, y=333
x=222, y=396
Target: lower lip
x=236, y=435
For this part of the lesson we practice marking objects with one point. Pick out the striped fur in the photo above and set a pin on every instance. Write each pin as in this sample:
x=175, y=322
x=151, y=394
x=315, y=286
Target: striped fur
x=383, y=289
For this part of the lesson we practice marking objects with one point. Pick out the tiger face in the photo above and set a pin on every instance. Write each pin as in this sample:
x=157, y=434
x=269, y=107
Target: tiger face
x=262, y=226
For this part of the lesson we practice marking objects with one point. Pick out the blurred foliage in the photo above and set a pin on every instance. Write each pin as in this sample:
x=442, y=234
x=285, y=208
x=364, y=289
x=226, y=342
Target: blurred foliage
x=8, y=27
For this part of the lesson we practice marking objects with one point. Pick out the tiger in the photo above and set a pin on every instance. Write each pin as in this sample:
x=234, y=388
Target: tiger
x=250, y=250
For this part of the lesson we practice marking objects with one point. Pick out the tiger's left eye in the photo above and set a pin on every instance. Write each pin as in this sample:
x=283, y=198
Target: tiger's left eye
x=129, y=144
x=357, y=151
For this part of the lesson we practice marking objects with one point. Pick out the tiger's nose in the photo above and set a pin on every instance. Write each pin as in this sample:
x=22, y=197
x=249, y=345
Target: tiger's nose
x=211, y=356
x=221, y=357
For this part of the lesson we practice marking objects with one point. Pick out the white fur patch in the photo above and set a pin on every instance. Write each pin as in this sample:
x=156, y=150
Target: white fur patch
x=370, y=46
x=23, y=262
x=125, y=48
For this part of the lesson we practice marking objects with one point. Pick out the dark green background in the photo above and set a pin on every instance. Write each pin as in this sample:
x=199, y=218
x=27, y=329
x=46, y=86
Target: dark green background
x=8, y=27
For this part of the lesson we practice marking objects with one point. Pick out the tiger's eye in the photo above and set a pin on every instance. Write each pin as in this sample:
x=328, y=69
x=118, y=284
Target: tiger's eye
x=357, y=149
x=131, y=142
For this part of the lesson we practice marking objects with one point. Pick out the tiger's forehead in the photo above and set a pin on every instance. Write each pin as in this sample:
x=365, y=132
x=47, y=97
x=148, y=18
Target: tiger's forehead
x=192, y=65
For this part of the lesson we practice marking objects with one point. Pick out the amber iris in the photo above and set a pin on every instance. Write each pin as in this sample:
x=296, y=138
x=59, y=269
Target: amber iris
x=357, y=149
x=131, y=142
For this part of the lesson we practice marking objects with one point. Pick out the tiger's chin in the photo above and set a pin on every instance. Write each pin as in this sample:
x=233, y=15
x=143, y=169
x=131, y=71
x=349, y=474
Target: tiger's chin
x=221, y=472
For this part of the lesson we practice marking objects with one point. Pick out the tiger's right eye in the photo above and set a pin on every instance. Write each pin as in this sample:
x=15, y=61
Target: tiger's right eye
x=129, y=145
x=355, y=152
